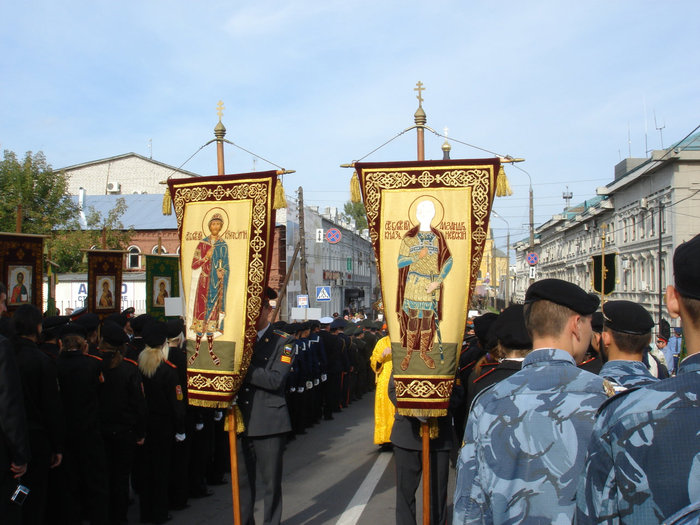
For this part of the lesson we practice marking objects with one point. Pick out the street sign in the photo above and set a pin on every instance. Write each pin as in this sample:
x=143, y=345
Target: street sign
x=349, y=263
x=532, y=258
x=533, y=272
x=323, y=293
x=333, y=235
x=319, y=234
x=303, y=301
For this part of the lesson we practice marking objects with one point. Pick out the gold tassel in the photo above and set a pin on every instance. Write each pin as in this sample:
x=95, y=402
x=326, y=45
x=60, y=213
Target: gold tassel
x=280, y=200
x=167, y=203
x=355, y=193
x=502, y=185
x=433, y=429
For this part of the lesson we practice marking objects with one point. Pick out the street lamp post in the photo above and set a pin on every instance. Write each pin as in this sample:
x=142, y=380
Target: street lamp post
x=507, y=290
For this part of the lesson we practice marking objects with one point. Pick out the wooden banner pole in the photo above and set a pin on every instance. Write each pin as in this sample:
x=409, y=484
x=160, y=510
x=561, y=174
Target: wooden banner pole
x=233, y=455
x=420, y=119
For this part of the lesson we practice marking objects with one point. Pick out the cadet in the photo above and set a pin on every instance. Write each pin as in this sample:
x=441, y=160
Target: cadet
x=42, y=403
x=526, y=436
x=626, y=333
x=642, y=464
x=265, y=415
x=332, y=387
x=166, y=423
x=122, y=414
x=514, y=344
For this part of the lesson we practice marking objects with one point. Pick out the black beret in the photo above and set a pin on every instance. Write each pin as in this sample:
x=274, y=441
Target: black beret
x=338, y=322
x=510, y=330
x=306, y=325
x=119, y=319
x=627, y=317
x=113, y=334
x=54, y=321
x=155, y=333
x=280, y=325
x=139, y=322
x=686, y=268
x=128, y=312
x=314, y=323
x=89, y=320
x=73, y=329
x=597, y=322
x=174, y=327
x=664, y=330
x=562, y=293
x=482, y=325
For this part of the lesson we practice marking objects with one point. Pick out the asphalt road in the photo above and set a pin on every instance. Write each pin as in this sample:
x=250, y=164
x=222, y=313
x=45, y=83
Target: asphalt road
x=334, y=474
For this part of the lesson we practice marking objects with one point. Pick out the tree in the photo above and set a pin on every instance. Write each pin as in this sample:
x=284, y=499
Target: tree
x=33, y=188
x=356, y=211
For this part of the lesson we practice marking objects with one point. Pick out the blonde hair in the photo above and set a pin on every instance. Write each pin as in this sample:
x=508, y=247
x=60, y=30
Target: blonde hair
x=149, y=360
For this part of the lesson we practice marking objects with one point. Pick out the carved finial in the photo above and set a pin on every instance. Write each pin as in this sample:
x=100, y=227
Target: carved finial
x=420, y=89
x=220, y=109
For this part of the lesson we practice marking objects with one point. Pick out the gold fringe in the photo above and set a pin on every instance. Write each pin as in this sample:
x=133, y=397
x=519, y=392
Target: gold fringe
x=208, y=404
x=280, y=201
x=355, y=193
x=433, y=430
x=502, y=185
x=167, y=203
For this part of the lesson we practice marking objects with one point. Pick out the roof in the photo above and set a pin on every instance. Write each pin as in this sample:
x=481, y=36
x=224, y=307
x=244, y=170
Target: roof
x=692, y=143
x=144, y=211
x=124, y=156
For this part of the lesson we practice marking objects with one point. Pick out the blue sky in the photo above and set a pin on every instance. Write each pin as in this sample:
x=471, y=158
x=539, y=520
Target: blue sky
x=310, y=85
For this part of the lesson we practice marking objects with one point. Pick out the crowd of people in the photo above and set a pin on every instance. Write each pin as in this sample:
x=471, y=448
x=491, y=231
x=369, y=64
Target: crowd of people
x=565, y=409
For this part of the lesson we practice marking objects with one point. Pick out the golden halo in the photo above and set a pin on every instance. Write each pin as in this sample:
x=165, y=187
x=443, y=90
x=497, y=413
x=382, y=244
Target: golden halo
x=208, y=217
x=439, y=210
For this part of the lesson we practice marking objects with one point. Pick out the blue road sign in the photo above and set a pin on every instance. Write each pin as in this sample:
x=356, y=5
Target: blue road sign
x=323, y=293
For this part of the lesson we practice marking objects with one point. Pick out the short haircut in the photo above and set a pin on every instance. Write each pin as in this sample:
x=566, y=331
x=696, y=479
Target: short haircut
x=692, y=307
x=104, y=346
x=546, y=319
x=632, y=343
x=72, y=341
x=26, y=320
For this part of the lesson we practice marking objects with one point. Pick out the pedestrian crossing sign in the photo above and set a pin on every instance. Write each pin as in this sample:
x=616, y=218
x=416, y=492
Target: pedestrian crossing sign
x=323, y=293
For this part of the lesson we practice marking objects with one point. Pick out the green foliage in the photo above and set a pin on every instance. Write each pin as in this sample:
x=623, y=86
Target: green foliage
x=43, y=195
x=356, y=211
x=48, y=209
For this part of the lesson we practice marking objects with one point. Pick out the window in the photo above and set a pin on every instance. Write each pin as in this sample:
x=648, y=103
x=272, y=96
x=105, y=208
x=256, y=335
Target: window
x=634, y=228
x=154, y=251
x=133, y=259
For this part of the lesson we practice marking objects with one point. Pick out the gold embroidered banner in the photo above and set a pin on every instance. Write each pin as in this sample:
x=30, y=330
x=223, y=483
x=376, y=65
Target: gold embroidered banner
x=226, y=226
x=105, y=281
x=428, y=221
x=162, y=282
x=21, y=263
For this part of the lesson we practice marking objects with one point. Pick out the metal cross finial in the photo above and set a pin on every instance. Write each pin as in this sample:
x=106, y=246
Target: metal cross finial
x=420, y=89
x=220, y=109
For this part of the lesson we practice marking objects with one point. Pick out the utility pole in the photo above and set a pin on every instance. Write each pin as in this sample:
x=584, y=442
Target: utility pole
x=302, y=242
x=661, y=292
x=603, y=270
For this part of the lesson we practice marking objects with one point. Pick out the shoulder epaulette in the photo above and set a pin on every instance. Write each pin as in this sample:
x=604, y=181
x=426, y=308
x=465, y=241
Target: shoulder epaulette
x=281, y=333
x=615, y=398
x=169, y=363
x=489, y=364
x=483, y=375
x=131, y=361
x=468, y=365
x=94, y=357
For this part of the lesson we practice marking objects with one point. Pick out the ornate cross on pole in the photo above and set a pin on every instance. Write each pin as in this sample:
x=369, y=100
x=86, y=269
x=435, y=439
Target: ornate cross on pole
x=219, y=133
x=220, y=109
x=419, y=88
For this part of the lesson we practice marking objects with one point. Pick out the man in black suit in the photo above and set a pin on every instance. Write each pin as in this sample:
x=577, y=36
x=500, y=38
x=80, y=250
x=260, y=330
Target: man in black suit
x=266, y=417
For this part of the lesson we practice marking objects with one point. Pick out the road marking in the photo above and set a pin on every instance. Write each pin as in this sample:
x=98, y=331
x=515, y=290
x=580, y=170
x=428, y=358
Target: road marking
x=359, y=501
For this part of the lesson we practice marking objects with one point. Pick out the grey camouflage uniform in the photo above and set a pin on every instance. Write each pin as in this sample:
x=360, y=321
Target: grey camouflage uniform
x=525, y=443
x=627, y=374
x=643, y=461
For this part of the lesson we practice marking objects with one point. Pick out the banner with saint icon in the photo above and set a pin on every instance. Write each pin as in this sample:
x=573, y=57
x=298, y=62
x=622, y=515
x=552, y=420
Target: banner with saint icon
x=226, y=226
x=428, y=222
x=162, y=283
x=105, y=281
x=21, y=263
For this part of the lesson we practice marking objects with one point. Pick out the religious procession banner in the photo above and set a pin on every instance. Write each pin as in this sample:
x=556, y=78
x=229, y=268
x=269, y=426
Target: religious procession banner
x=21, y=263
x=104, y=295
x=162, y=282
x=226, y=226
x=428, y=221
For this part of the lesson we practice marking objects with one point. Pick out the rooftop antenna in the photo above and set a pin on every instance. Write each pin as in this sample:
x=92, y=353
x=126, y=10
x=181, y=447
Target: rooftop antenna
x=567, y=196
x=150, y=149
x=254, y=163
x=629, y=141
x=660, y=129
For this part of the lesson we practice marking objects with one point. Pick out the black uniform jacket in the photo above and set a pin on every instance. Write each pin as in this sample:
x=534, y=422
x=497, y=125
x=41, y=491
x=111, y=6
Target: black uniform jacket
x=122, y=401
x=490, y=376
x=164, y=397
x=261, y=398
x=80, y=377
x=14, y=447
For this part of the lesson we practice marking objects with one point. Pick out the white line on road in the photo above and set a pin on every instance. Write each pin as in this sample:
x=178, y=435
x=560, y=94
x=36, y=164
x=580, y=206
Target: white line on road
x=359, y=501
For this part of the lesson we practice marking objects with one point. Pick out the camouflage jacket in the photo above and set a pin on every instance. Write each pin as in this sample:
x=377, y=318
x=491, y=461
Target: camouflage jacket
x=626, y=374
x=643, y=461
x=525, y=443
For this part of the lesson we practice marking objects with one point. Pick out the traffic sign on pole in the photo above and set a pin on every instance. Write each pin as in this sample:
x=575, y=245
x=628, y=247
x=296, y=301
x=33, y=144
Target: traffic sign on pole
x=333, y=235
x=532, y=258
x=323, y=293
